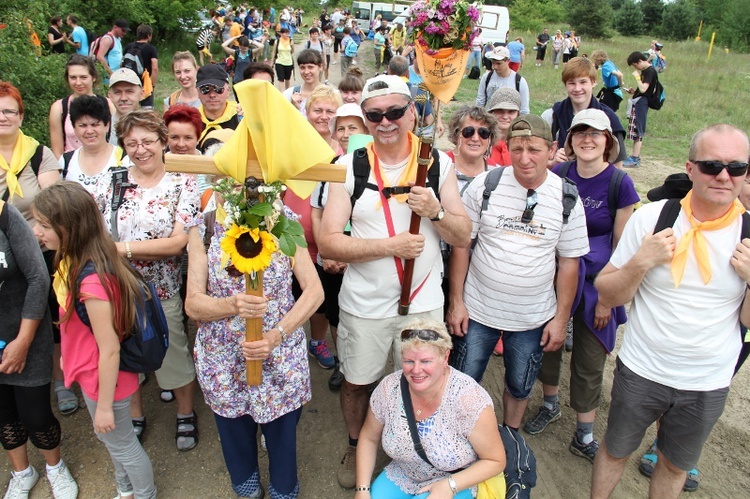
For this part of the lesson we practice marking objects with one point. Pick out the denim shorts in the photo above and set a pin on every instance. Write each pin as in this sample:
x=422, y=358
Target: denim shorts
x=522, y=357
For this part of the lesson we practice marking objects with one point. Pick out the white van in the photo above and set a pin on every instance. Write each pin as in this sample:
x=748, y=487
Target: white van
x=495, y=23
x=365, y=12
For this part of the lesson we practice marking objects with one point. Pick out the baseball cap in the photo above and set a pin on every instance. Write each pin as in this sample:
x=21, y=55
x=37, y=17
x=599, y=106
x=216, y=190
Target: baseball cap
x=505, y=98
x=346, y=110
x=211, y=74
x=498, y=54
x=530, y=125
x=124, y=75
x=122, y=24
x=384, y=85
x=598, y=120
x=675, y=186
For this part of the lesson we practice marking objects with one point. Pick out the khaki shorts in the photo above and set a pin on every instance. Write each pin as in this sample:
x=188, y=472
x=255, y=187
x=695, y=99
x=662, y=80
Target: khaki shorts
x=364, y=344
x=178, y=368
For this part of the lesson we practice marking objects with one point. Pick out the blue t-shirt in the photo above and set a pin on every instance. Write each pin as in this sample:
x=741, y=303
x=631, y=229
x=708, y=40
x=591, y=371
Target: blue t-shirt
x=515, y=48
x=79, y=36
x=608, y=79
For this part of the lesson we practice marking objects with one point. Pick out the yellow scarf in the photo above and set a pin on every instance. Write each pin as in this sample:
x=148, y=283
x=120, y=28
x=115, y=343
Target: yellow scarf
x=409, y=174
x=60, y=284
x=22, y=152
x=229, y=111
x=695, y=236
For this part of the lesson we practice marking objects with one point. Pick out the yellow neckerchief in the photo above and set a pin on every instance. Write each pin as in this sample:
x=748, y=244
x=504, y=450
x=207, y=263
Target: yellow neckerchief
x=695, y=236
x=229, y=111
x=408, y=174
x=60, y=284
x=22, y=153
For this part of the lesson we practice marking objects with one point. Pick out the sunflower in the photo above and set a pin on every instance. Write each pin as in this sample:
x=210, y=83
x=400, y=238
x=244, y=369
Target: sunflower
x=250, y=249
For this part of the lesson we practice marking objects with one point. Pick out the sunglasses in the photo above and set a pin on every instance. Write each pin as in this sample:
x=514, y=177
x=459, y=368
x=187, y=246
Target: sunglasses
x=468, y=132
x=422, y=334
x=734, y=169
x=391, y=114
x=206, y=89
x=531, y=202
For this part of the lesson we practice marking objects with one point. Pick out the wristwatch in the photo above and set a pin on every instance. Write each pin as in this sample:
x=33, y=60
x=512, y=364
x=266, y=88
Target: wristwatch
x=439, y=216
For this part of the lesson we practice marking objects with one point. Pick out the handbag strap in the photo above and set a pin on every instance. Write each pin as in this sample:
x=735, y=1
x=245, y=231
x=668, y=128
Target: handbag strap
x=409, y=410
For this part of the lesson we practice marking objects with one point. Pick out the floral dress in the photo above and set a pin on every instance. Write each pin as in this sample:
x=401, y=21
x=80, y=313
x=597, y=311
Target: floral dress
x=219, y=362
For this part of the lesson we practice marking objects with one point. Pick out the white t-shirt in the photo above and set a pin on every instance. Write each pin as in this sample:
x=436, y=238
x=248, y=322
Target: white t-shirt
x=372, y=289
x=496, y=81
x=97, y=184
x=688, y=337
x=288, y=94
x=509, y=285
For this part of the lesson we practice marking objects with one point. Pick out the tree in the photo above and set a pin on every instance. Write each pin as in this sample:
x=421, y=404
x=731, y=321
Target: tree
x=652, y=14
x=629, y=19
x=590, y=17
x=735, y=25
x=527, y=15
x=680, y=20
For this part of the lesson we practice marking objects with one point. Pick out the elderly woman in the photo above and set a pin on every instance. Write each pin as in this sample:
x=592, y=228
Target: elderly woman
x=452, y=415
x=184, y=69
x=592, y=148
x=473, y=131
x=216, y=298
x=151, y=229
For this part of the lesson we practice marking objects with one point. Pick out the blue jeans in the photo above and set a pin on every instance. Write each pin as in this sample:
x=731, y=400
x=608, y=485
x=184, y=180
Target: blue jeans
x=522, y=357
x=475, y=59
x=383, y=488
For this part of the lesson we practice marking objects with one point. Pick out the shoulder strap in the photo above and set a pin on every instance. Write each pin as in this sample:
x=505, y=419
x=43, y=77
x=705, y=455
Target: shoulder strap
x=361, y=171
x=36, y=159
x=745, y=226
x=490, y=184
x=307, y=44
x=570, y=196
x=555, y=127
x=486, y=86
x=64, y=102
x=409, y=410
x=433, y=174
x=120, y=185
x=518, y=83
x=3, y=216
x=613, y=193
x=173, y=97
x=564, y=169
x=79, y=306
x=67, y=156
x=669, y=213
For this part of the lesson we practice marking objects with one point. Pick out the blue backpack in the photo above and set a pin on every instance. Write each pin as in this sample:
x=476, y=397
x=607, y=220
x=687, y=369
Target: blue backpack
x=351, y=49
x=143, y=350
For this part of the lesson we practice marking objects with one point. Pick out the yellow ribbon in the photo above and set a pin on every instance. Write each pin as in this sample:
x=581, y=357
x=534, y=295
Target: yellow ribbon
x=408, y=175
x=22, y=152
x=60, y=284
x=695, y=237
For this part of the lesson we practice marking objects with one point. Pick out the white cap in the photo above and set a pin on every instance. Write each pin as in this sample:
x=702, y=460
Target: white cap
x=394, y=85
x=124, y=75
x=499, y=53
x=598, y=120
x=346, y=110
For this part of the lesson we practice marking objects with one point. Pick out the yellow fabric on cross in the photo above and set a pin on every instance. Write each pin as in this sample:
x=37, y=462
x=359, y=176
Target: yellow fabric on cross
x=229, y=111
x=695, y=237
x=275, y=133
x=408, y=175
x=22, y=153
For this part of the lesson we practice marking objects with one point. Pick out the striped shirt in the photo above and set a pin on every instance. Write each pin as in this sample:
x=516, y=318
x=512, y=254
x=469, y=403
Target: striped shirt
x=205, y=38
x=510, y=285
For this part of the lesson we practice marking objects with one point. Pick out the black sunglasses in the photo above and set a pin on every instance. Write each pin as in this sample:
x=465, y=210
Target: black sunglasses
x=734, y=169
x=206, y=89
x=531, y=202
x=468, y=132
x=391, y=114
x=422, y=334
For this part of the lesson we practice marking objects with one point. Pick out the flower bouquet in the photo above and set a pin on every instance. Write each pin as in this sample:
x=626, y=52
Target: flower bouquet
x=442, y=32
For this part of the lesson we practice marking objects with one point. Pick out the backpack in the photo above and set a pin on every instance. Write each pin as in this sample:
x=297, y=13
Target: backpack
x=351, y=49
x=487, y=84
x=67, y=156
x=520, y=464
x=322, y=50
x=36, y=164
x=657, y=96
x=94, y=46
x=474, y=73
x=569, y=190
x=132, y=60
x=660, y=64
x=667, y=217
x=613, y=191
x=361, y=171
x=90, y=39
x=144, y=349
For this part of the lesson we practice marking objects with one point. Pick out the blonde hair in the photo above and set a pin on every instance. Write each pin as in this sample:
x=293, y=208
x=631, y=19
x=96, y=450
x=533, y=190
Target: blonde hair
x=324, y=92
x=441, y=345
x=184, y=55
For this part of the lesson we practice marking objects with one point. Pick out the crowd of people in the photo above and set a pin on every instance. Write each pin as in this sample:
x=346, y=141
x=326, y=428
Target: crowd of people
x=523, y=213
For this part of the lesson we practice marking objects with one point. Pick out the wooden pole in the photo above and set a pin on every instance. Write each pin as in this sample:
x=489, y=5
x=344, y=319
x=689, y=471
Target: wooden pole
x=254, y=331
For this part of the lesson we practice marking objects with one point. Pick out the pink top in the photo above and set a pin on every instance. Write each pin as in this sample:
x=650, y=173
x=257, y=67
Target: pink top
x=80, y=352
x=71, y=139
x=302, y=208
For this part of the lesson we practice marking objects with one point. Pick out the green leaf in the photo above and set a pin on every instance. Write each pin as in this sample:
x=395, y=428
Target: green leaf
x=250, y=219
x=300, y=241
x=261, y=209
x=287, y=245
x=281, y=227
x=295, y=228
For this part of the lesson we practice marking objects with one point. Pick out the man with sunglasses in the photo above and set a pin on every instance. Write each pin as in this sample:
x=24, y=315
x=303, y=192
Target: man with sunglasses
x=689, y=288
x=217, y=111
x=369, y=322
x=508, y=286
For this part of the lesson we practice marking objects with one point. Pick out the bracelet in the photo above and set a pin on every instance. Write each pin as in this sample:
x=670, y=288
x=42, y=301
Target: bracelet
x=362, y=488
x=128, y=253
x=452, y=484
x=282, y=332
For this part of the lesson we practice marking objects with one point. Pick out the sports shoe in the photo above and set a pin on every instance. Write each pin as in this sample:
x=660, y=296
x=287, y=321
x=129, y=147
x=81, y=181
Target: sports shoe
x=692, y=480
x=346, y=475
x=319, y=350
x=632, y=162
x=648, y=462
x=334, y=62
x=337, y=378
x=538, y=423
x=258, y=494
x=62, y=482
x=20, y=486
x=586, y=451
x=498, y=350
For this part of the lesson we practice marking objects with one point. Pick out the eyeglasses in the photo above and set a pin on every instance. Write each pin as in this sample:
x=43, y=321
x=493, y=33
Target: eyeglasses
x=206, y=89
x=592, y=134
x=468, y=132
x=422, y=334
x=734, y=169
x=531, y=202
x=10, y=113
x=135, y=145
x=391, y=114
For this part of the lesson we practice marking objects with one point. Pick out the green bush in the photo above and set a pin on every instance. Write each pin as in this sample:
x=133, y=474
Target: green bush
x=680, y=20
x=629, y=19
x=590, y=17
x=652, y=14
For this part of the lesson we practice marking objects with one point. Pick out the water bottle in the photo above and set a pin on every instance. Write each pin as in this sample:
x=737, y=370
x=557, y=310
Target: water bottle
x=2, y=347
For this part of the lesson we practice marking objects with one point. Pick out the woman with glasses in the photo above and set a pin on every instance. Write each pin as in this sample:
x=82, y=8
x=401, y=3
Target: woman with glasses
x=150, y=228
x=283, y=51
x=451, y=414
x=592, y=148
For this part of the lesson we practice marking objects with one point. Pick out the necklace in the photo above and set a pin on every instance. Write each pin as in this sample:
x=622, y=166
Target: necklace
x=429, y=402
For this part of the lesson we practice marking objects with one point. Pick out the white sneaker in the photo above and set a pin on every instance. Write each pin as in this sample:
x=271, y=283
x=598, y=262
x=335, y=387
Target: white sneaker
x=19, y=487
x=62, y=482
x=334, y=62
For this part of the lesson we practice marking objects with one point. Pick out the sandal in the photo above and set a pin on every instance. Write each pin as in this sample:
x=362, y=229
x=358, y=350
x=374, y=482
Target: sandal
x=67, y=402
x=139, y=426
x=648, y=461
x=166, y=396
x=187, y=428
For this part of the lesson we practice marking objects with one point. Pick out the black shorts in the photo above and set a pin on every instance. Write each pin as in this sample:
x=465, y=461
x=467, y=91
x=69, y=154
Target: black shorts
x=336, y=45
x=283, y=73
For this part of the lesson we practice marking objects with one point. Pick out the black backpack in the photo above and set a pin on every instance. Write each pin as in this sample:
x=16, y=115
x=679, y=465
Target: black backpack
x=144, y=349
x=613, y=191
x=131, y=59
x=520, y=464
x=656, y=97
x=474, y=73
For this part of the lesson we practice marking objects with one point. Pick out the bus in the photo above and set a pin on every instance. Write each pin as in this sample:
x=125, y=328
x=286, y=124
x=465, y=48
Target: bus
x=365, y=12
